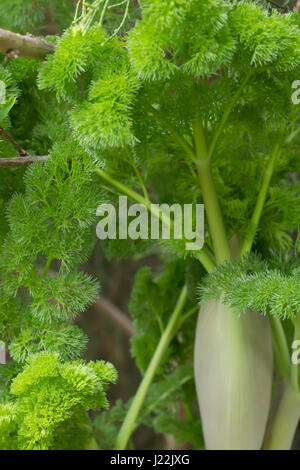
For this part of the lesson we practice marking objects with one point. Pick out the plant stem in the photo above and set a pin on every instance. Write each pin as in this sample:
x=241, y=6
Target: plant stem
x=122, y=188
x=131, y=162
x=202, y=255
x=47, y=265
x=202, y=160
x=205, y=259
x=122, y=21
x=295, y=367
x=227, y=113
x=286, y=420
x=129, y=422
x=27, y=46
x=15, y=144
x=212, y=208
x=188, y=314
x=21, y=162
x=280, y=348
x=103, y=12
x=135, y=196
x=249, y=238
x=281, y=434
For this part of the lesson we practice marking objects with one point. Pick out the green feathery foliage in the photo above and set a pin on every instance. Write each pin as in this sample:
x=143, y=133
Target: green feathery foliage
x=250, y=283
x=151, y=97
x=49, y=394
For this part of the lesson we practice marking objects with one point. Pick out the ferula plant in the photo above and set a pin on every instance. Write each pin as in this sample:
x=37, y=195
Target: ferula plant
x=165, y=102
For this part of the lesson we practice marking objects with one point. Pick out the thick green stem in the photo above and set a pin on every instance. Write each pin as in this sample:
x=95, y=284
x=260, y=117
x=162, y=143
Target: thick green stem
x=249, y=238
x=295, y=367
x=130, y=419
x=285, y=422
x=281, y=434
x=280, y=348
x=205, y=259
x=212, y=208
x=202, y=255
x=92, y=444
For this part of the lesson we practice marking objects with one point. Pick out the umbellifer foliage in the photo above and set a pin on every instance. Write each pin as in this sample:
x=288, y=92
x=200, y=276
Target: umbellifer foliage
x=189, y=79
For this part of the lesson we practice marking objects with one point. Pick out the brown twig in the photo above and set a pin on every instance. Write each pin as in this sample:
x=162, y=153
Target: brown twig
x=26, y=46
x=105, y=307
x=20, y=150
x=20, y=162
